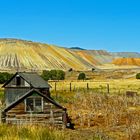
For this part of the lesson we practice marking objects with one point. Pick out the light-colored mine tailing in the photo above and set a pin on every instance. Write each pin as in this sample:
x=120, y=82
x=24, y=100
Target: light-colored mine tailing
x=30, y=55
x=127, y=61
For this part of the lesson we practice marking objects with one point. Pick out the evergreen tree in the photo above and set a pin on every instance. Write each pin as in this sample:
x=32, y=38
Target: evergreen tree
x=82, y=76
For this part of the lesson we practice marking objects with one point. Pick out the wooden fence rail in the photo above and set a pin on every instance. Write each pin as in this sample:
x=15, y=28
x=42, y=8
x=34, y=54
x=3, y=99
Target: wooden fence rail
x=72, y=87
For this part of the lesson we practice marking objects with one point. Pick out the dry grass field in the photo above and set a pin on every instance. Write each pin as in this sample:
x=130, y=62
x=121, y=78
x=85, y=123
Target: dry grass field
x=118, y=86
x=98, y=113
x=110, y=116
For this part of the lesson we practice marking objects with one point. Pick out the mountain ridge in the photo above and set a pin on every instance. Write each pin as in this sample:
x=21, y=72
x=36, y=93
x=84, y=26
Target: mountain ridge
x=15, y=53
x=126, y=54
x=26, y=55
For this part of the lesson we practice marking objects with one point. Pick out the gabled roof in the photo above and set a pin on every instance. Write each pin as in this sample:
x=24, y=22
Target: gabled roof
x=29, y=93
x=32, y=78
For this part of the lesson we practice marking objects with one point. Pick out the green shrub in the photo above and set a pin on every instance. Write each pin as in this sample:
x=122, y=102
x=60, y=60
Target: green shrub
x=82, y=76
x=5, y=76
x=60, y=75
x=45, y=75
x=138, y=76
x=53, y=75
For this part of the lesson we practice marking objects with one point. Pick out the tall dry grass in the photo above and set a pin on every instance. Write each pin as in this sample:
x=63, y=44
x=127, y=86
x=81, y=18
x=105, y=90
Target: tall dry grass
x=96, y=114
x=117, y=116
x=30, y=132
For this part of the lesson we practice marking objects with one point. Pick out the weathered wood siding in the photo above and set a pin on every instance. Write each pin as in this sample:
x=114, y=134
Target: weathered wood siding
x=45, y=91
x=50, y=115
x=12, y=94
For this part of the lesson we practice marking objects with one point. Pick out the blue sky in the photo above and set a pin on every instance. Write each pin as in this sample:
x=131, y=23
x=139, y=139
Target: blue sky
x=112, y=25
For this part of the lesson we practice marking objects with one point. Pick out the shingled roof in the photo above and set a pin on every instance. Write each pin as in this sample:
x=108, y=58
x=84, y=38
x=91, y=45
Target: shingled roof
x=32, y=78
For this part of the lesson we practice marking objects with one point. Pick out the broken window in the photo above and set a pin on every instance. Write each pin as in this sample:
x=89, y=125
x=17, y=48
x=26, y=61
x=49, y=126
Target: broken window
x=34, y=104
x=29, y=104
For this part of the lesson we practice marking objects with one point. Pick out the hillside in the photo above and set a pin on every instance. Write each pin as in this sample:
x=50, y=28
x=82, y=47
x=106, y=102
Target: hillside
x=25, y=55
x=28, y=55
x=126, y=54
x=127, y=61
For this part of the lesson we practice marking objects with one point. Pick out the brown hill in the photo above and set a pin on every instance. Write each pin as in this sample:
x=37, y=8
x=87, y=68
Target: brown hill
x=27, y=55
x=127, y=61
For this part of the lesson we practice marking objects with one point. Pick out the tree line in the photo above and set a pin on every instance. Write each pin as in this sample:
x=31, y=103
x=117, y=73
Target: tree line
x=46, y=75
x=53, y=75
x=59, y=75
x=49, y=75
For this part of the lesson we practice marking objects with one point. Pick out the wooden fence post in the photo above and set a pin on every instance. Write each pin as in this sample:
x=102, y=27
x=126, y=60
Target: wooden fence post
x=108, y=90
x=70, y=86
x=55, y=86
x=87, y=86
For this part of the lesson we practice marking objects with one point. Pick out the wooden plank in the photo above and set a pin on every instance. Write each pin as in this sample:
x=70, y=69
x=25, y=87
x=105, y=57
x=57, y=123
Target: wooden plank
x=13, y=120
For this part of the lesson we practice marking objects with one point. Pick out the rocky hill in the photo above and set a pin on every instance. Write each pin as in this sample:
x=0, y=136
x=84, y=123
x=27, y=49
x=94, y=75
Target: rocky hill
x=126, y=54
x=28, y=55
x=127, y=61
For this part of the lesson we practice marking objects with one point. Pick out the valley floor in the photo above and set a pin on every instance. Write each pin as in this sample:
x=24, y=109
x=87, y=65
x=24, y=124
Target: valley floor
x=98, y=113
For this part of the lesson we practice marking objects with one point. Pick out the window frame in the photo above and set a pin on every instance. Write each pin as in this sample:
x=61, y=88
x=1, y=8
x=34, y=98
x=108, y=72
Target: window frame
x=42, y=104
x=18, y=80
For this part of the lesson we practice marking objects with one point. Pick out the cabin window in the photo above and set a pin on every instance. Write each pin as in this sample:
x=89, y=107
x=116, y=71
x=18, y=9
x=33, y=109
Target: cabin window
x=34, y=104
x=18, y=80
x=29, y=104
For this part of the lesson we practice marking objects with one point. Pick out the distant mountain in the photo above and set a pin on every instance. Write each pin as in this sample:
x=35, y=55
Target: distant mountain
x=126, y=58
x=25, y=55
x=100, y=56
x=127, y=61
x=77, y=48
x=126, y=54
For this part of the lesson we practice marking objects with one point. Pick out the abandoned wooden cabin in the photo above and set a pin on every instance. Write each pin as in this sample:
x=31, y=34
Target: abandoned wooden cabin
x=28, y=100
